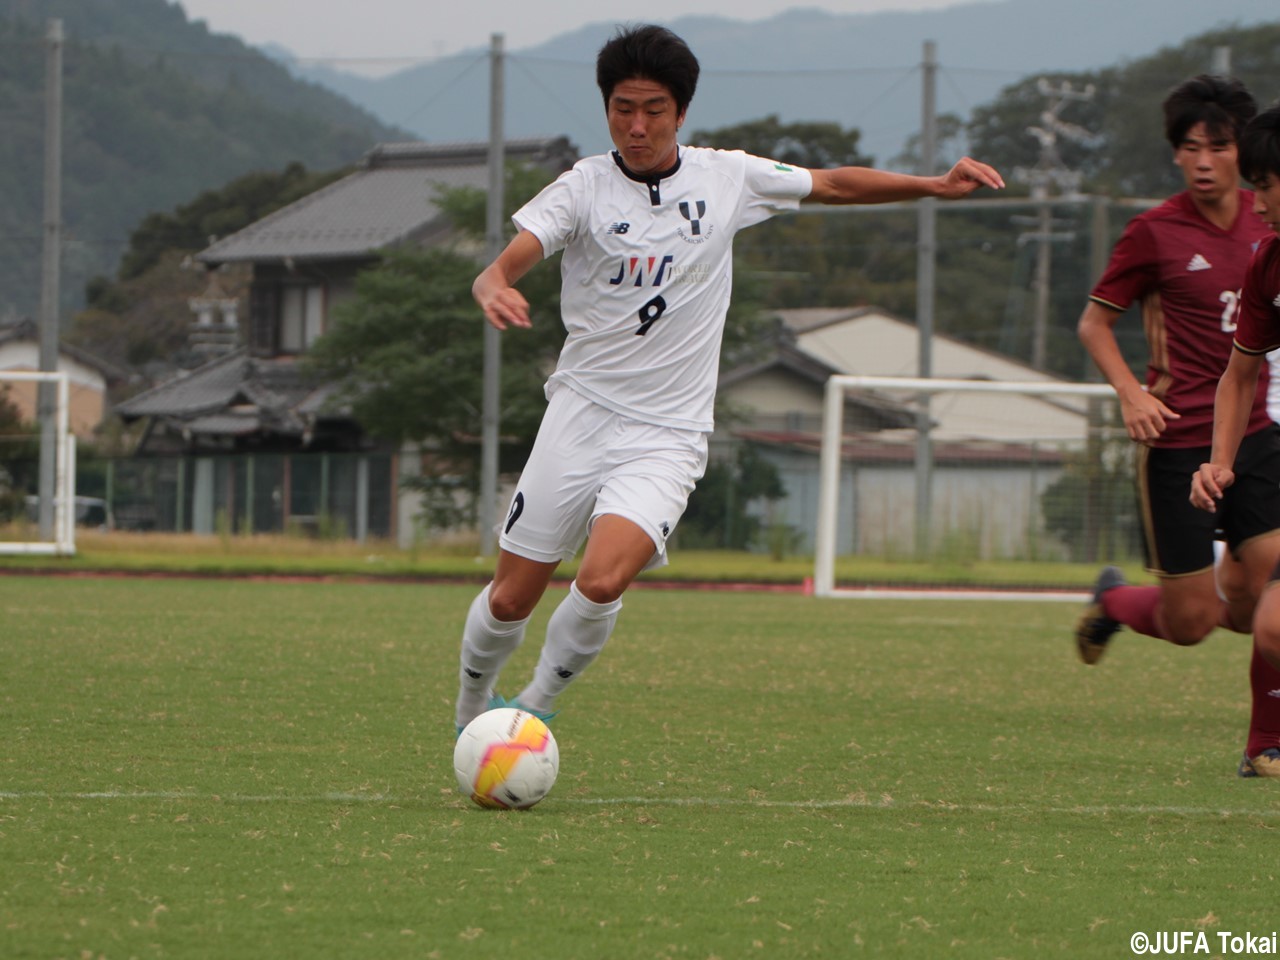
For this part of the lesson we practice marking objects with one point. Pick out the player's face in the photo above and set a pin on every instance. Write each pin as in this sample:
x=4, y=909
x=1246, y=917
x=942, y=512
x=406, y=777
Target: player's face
x=1266, y=200
x=643, y=121
x=1208, y=165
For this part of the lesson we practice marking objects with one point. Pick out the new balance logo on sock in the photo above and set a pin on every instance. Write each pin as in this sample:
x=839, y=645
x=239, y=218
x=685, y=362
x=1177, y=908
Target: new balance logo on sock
x=473, y=674
x=563, y=674
x=1198, y=262
x=1274, y=693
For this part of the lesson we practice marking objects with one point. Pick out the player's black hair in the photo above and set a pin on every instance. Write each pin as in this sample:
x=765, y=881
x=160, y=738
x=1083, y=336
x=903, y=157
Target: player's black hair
x=1222, y=104
x=648, y=52
x=1259, y=155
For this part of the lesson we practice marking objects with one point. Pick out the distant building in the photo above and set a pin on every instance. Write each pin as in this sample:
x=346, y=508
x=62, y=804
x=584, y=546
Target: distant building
x=256, y=399
x=994, y=454
x=89, y=377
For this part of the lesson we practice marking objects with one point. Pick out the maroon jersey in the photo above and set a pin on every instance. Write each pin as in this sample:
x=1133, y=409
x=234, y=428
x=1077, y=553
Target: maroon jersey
x=1188, y=275
x=1259, y=328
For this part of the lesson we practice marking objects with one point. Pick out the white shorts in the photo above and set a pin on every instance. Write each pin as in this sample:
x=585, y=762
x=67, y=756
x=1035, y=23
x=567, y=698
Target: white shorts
x=588, y=461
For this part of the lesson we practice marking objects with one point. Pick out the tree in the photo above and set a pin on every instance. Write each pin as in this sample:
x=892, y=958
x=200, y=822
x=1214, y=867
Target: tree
x=407, y=353
x=717, y=514
x=215, y=213
x=19, y=458
x=811, y=145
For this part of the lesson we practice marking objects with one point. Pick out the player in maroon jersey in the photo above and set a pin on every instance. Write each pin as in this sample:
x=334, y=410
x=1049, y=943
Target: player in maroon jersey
x=1257, y=333
x=1184, y=262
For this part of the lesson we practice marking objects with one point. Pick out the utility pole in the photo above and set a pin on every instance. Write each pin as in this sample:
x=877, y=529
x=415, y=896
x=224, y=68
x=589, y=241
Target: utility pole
x=46, y=397
x=926, y=296
x=1048, y=172
x=1221, y=63
x=490, y=414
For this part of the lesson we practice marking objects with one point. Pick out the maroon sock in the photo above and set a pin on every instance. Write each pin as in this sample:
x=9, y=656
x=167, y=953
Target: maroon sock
x=1264, y=721
x=1135, y=607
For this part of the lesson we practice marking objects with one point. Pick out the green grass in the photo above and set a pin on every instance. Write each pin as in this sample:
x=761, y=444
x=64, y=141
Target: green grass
x=230, y=769
x=457, y=559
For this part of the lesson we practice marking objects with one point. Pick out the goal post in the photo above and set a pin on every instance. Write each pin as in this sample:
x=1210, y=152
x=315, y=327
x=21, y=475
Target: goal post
x=1033, y=433
x=62, y=538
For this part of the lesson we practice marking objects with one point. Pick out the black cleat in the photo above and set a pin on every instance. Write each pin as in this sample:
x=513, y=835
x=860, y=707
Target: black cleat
x=1265, y=764
x=1095, y=629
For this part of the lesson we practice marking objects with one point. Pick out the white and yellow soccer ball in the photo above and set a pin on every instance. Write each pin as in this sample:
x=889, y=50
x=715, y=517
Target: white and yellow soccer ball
x=506, y=759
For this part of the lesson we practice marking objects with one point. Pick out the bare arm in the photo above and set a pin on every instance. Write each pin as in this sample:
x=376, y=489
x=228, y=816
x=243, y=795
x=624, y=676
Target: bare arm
x=1145, y=417
x=867, y=185
x=1231, y=407
x=503, y=305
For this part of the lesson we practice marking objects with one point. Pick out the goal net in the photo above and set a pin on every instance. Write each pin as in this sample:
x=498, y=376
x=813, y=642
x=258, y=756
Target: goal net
x=22, y=453
x=1000, y=490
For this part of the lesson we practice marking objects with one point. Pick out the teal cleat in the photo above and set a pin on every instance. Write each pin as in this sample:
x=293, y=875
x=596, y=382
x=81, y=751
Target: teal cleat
x=498, y=700
x=515, y=704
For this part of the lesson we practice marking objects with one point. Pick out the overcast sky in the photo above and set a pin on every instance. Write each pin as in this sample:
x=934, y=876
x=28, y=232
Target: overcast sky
x=409, y=30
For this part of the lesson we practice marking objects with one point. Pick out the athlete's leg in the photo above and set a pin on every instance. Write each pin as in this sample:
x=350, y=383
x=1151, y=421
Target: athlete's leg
x=1233, y=588
x=495, y=627
x=617, y=550
x=1189, y=608
x=1260, y=755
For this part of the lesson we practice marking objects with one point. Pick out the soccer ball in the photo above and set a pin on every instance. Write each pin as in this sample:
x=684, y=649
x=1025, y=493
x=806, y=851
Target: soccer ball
x=506, y=759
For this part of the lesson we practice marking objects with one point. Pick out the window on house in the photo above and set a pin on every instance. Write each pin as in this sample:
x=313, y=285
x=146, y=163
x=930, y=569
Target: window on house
x=301, y=316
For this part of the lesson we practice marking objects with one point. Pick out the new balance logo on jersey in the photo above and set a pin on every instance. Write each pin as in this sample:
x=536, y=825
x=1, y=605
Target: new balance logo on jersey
x=618, y=229
x=1198, y=262
x=643, y=270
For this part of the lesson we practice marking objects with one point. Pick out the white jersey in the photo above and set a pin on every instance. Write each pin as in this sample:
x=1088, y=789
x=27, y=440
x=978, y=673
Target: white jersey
x=647, y=273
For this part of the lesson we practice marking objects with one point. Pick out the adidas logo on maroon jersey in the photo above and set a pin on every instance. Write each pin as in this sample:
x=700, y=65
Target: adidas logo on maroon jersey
x=1198, y=262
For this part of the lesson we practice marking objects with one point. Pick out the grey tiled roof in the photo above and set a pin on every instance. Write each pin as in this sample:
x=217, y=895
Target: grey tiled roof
x=387, y=201
x=235, y=394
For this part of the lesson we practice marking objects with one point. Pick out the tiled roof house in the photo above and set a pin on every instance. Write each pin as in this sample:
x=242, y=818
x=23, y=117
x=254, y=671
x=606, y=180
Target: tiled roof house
x=305, y=258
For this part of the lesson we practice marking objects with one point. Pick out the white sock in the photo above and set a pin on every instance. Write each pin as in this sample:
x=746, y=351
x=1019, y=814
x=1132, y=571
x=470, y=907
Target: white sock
x=487, y=643
x=576, y=633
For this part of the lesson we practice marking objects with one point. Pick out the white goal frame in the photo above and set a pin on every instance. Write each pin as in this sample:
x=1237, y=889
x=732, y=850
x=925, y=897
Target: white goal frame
x=64, y=484
x=838, y=386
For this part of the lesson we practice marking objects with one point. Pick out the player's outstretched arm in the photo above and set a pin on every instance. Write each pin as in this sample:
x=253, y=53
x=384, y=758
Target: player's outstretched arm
x=845, y=185
x=494, y=290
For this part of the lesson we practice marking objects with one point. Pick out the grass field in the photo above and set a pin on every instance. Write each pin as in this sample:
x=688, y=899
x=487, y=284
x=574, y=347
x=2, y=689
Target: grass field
x=235, y=769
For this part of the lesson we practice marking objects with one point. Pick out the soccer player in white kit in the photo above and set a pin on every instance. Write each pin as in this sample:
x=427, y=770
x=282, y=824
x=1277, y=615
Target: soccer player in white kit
x=647, y=233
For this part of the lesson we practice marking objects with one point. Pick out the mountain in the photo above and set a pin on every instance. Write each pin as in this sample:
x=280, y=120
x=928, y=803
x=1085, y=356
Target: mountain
x=861, y=70
x=156, y=109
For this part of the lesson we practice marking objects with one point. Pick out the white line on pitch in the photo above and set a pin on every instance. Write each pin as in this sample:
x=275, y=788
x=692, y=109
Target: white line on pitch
x=940, y=806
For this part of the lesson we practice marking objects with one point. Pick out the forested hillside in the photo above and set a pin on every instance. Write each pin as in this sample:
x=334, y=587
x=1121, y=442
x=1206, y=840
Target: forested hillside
x=156, y=110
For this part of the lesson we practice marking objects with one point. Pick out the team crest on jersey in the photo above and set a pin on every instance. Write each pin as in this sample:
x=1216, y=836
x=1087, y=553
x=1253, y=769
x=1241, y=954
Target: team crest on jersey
x=694, y=212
